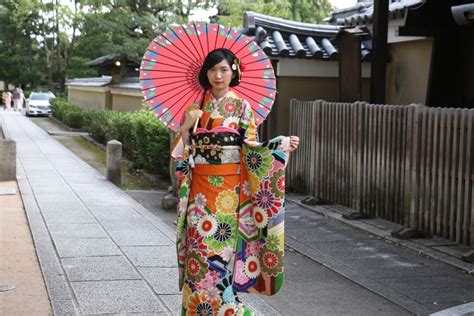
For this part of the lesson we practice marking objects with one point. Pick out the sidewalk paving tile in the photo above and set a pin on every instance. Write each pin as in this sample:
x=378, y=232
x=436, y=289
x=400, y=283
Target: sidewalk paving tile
x=152, y=256
x=68, y=230
x=108, y=297
x=140, y=233
x=67, y=217
x=163, y=280
x=100, y=200
x=173, y=302
x=121, y=214
x=99, y=268
x=70, y=248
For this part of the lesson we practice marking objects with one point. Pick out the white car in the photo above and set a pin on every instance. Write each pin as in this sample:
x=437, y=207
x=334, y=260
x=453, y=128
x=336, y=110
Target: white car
x=38, y=103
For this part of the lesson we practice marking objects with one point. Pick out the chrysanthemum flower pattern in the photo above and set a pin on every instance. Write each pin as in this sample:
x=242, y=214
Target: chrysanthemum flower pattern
x=225, y=233
x=196, y=267
x=207, y=226
x=266, y=200
x=258, y=160
x=199, y=304
x=216, y=181
x=200, y=201
x=227, y=202
x=271, y=261
x=277, y=184
x=252, y=267
x=229, y=106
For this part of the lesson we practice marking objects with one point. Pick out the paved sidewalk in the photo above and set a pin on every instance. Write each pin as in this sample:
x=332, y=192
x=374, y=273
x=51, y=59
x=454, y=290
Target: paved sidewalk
x=100, y=251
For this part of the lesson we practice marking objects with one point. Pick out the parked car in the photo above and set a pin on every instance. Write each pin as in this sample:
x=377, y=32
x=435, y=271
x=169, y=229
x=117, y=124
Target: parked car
x=38, y=103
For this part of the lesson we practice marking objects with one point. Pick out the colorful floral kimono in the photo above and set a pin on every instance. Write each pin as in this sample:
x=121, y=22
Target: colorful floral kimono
x=230, y=228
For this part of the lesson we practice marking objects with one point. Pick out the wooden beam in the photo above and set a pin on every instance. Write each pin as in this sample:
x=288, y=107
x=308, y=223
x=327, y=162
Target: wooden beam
x=350, y=79
x=379, y=52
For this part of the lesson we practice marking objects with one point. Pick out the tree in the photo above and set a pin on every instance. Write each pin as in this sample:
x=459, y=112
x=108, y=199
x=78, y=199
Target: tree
x=229, y=12
x=126, y=27
x=310, y=11
x=20, y=58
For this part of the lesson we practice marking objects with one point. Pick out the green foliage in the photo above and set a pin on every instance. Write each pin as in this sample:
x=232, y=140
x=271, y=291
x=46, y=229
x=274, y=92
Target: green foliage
x=73, y=117
x=60, y=107
x=21, y=60
x=144, y=139
x=77, y=68
x=151, y=143
x=310, y=11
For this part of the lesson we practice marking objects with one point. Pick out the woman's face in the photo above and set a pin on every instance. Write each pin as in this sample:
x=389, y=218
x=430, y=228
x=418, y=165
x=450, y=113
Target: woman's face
x=220, y=75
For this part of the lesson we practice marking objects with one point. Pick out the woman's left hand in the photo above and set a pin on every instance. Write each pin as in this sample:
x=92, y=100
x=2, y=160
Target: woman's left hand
x=294, y=142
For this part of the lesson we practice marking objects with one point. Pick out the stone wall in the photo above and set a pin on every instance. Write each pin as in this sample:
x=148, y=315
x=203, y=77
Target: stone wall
x=7, y=154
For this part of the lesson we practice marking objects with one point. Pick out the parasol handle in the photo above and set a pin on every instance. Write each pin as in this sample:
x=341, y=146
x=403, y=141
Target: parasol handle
x=196, y=125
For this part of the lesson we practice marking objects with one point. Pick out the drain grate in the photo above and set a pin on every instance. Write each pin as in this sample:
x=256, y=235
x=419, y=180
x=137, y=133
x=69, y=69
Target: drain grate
x=6, y=287
x=7, y=191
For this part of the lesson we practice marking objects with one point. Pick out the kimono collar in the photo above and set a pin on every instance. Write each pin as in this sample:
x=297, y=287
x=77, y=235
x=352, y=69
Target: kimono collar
x=211, y=97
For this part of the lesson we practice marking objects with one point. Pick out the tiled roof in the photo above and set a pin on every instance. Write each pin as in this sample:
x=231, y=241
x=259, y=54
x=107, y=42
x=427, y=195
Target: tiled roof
x=108, y=59
x=90, y=82
x=362, y=14
x=128, y=83
x=283, y=38
x=102, y=59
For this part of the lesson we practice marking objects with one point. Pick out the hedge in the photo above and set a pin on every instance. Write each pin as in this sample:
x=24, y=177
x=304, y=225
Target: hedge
x=144, y=139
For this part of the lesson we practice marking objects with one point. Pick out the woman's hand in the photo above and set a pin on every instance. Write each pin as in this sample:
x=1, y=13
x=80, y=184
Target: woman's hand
x=294, y=142
x=191, y=118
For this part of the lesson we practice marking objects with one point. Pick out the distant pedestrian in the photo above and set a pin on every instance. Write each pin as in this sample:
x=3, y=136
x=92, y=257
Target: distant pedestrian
x=16, y=98
x=7, y=100
x=21, y=102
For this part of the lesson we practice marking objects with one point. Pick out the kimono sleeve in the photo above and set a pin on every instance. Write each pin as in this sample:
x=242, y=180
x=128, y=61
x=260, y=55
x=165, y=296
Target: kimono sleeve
x=248, y=128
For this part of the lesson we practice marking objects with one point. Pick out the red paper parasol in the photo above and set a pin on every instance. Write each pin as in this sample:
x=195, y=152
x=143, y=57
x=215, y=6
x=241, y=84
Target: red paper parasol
x=171, y=64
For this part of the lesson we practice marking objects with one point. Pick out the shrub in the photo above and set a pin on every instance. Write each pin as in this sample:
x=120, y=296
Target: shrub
x=73, y=117
x=144, y=139
x=59, y=106
x=96, y=123
x=151, y=143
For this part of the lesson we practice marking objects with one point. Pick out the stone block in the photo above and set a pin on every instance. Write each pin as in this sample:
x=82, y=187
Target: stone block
x=114, y=156
x=7, y=160
x=354, y=215
x=468, y=256
x=406, y=233
x=311, y=200
x=169, y=202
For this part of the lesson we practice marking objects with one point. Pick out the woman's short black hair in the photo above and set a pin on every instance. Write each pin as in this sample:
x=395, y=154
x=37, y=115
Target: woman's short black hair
x=212, y=59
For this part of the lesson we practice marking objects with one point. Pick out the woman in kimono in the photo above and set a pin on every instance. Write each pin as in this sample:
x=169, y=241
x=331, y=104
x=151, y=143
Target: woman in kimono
x=230, y=214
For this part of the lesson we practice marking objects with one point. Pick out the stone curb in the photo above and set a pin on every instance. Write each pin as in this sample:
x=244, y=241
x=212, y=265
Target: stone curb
x=371, y=229
x=59, y=291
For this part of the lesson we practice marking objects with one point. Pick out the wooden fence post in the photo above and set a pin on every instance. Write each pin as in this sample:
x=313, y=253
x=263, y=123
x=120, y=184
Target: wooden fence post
x=413, y=156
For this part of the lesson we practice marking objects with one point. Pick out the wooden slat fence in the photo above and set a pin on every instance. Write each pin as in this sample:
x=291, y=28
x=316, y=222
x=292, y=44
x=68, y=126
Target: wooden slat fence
x=412, y=165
